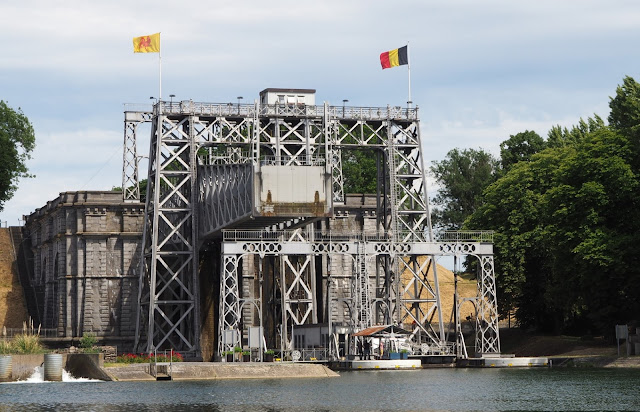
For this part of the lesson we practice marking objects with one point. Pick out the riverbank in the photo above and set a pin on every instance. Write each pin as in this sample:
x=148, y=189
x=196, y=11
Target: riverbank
x=567, y=351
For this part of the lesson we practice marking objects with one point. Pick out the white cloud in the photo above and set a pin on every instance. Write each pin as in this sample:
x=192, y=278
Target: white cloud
x=480, y=70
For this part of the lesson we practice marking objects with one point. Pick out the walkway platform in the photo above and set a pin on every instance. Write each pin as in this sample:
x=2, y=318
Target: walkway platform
x=504, y=362
x=378, y=364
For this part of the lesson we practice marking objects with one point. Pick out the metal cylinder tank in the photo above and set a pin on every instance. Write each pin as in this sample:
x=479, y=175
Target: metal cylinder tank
x=6, y=368
x=52, y=367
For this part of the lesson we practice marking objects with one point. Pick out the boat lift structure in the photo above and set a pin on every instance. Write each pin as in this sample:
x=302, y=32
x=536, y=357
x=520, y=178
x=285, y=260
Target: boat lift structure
x=263, y=184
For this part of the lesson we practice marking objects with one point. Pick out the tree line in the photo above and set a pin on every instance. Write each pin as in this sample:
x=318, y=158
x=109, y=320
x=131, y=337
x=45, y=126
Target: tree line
x=566, y=216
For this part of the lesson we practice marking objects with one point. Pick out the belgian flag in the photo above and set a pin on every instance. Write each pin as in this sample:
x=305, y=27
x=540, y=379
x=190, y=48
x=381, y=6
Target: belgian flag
x=393, y=58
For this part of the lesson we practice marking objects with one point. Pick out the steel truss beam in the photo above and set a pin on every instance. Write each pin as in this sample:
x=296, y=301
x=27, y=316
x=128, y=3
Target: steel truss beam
x=418, y=290
x=130, y=178
x=231, y=135
x=227, y=191
x=169, y=285
x=488, y=336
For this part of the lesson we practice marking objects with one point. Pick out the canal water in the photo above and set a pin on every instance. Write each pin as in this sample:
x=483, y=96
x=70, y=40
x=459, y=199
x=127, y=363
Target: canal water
x=421, y=390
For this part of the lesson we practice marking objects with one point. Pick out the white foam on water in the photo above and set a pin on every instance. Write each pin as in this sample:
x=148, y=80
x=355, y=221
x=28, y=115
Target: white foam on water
x=38, y=377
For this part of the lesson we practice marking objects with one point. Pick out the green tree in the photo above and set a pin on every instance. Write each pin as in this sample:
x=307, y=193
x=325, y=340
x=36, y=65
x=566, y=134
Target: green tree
x=359, y=165
x=461, y=176
x=625, y=106
x=520, y=147
x=560, y=137
x=17, y=141
x=513, y=206
x=359, y=170
x=567, y=225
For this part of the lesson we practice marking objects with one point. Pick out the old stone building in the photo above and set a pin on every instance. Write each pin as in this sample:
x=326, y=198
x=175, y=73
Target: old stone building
x=85, y=254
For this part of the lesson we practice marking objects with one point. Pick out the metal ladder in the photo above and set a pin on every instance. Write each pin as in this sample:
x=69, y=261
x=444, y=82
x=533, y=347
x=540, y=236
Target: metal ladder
x=362, y=295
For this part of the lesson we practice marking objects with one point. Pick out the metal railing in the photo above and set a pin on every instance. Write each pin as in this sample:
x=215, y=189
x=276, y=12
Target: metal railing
x=138, y=107
x=294, y=110
x=246, y=157
x=10, y=333
x=283, y=235
x=306, y=355
x=438, y=350
x=156, y=367
x=291, y=160
x=485, y=236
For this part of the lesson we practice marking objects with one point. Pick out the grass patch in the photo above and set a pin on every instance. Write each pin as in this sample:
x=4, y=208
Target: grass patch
x=114, y=364
x=5, y=347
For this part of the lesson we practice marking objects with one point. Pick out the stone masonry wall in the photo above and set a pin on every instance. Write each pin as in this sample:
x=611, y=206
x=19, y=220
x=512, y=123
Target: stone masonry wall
x=86, y=253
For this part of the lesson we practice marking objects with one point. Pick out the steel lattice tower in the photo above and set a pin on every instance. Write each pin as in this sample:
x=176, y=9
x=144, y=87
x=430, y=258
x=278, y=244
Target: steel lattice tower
x=205, y=163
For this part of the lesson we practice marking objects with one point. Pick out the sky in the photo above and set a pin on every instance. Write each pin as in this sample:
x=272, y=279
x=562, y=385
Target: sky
x=481, y=70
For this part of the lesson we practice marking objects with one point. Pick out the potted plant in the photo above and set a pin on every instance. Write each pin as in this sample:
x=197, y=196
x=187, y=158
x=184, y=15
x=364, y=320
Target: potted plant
x=268, y=355
x=228, y=355
x=394, y=355
x=404, y=354
x=246, y=356
x=238, y=353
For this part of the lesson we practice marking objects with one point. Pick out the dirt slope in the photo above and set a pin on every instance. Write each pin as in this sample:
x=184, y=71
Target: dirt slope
x=13, y=311
x=466, y=288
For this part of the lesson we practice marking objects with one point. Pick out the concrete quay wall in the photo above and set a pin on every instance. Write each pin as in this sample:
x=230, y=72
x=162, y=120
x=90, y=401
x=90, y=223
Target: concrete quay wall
x=221, y=370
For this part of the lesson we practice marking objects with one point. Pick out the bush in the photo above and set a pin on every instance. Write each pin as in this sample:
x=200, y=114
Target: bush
x=88, y=340
x=27, y=344
x=5, y=347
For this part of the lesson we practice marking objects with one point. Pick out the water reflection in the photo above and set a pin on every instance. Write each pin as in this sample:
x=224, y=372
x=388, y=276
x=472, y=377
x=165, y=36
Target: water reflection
x=424, y=390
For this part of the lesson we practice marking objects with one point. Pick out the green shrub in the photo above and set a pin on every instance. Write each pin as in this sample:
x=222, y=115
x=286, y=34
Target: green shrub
x=5, y=347
x=27, y=344
x=88, y=341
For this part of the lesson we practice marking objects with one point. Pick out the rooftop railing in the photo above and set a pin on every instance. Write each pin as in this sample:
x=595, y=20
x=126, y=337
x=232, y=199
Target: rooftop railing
x=483, y=236
x=268, y=110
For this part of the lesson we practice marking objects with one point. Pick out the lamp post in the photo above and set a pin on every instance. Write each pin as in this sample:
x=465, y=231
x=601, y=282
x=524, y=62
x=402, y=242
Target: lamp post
x=239, y=98
x=344, y=101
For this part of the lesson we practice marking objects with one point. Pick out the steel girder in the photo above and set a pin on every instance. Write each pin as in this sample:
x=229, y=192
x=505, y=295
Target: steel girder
x=229, y=306
x=419, y=285
x=225, y=195
x=488, y=332
x=130, y=179
x=169, y=284
x=298, y=136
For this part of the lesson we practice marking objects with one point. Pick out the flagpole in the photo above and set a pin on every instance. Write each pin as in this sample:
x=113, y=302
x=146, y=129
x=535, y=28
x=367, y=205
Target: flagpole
x=160, y=72
x=409, y=71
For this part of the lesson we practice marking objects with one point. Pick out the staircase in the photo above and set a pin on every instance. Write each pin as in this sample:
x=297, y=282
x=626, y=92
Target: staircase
x=391, y=153
x=363, y=303
x=13, y=310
